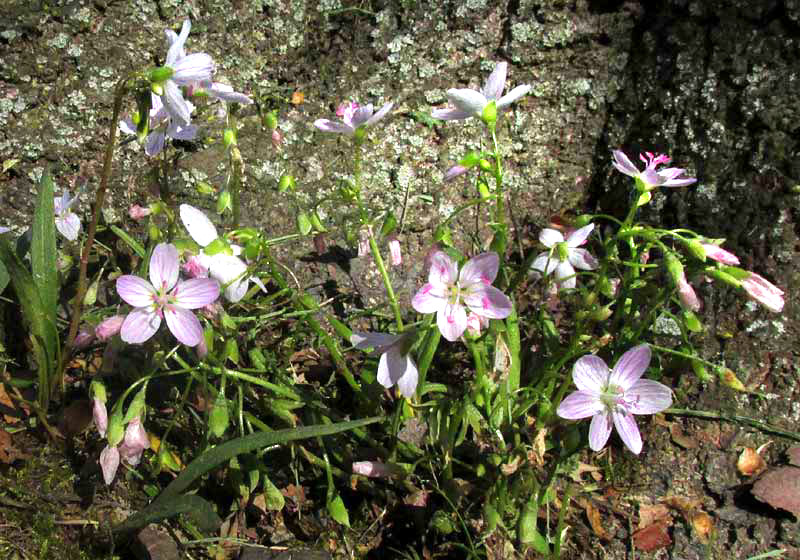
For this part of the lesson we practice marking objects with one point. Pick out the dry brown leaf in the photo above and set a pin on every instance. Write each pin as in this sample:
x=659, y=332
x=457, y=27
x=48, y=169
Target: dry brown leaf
x=750, y=462
x=596, y=521
x=780, y=488
x=298, y=97
x=649, y=514
x=595, y=472
x=11, y=414
x=510, y=468
x=703, y=524
x=653, y=537
x=5, y=447
x=684, y=504
x=680, y=437
x=794, y=456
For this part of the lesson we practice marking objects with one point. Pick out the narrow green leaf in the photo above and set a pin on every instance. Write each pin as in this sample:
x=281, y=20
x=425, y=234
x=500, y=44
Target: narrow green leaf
x=137, y=247
x=200, y=510
x=3, y=277
x=43, y=247
x=338, y=511
x=224, y=452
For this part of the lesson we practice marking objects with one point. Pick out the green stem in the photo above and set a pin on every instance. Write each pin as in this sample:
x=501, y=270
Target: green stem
x=735, y=419
x=376, y=254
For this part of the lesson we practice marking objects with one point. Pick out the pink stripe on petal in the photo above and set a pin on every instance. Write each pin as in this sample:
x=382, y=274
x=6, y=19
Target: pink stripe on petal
x=139, y=326
x=183, y=325
x=428, y=300
x=196, y=293
x=135, y=291
x=493, y=88
x=648, y=397
x=443, y=270
x=549, y=237
x=480, y=269
x=579, y=236
x=590, y=373
x=109, y=463
x=452, y=321
x=599, y=430
x=581, y=258
x=490, y=302
x=630, y=367
x=580, y=404
x=164, y=266
x=628, y=431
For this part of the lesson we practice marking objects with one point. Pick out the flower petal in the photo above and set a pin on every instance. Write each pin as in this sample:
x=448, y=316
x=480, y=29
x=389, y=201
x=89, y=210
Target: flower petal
x=452, y=321
x=379, y=342
x=183, y=325
x=100, y=416
x=549, y=237
x=493, y=88
x=467, y=100
x=231, y=272
x=408, y=382
x=450, y=114
x=565, y=276
x=581, y=258
x=623, y=164
x=136, y=291
x=109, y=463
x=326, y=125
x=199, y=226
x=429, y=299
x=590, y=373
x=176, y=42
x=164, y=267
x=139, y=325
x=361, y=115
x=195, y=67
x=647, y=397
x=579, y=236
x=69, y=226
x=225, y=93
x=195, y=293
x=444, y=271
x=580, y=404
x=188, y=132
x=628, y=431
x=545, y=263
x=512, y=96
x=599, y=430
x=380, y=114
x=488, y=301
x=174, y=103
x=630, y=367
x=480, y=269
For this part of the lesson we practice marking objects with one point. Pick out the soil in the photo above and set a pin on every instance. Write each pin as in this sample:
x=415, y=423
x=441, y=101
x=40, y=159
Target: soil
x=714, y=83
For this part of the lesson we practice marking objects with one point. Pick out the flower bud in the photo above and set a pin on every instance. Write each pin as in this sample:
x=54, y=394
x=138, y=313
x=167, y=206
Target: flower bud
x=316, y=222
x=154, y=233
x=729, y=379
x=137, y=213
x=700, y=371
x=159, y=75
x=303, y=223
x=389, y=224
x=277, y=139
x=218, y=419
x=719, y=254
x=485, y=165
x=109, y=327
x=691, y=321
x=144, y=102
x=489, y=113
x=483, y=190
x=286, y=183
x=394, y=251
x=271, y=120
x=224, y=202
x=674, y=268
x=470, y=160
x=696, y=249
x=229, y=137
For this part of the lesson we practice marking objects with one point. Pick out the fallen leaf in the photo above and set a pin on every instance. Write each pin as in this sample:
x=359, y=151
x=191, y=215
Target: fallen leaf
x=5, y=447
x=11, y=413
x=298, y=97
x=680, y=437
x=703, y=524
x=511, y=467
x=750, y=462
x=653, y=537
x=649, y=514
x=780, y=488
x=582, y=468
x=596, y=521
x=684, y=504
x=794, y=456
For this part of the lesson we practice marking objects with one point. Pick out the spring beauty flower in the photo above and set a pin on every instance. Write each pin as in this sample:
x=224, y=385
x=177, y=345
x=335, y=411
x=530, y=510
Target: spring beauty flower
x=470, y=103
x=182, y=70
x=449, y=294
x=225, y=267
x=764, y=292
x=354, y=118
x=612, y=397
x=565, y=255
x=164, y=297
x=396, y=367
x=129, y=449
x=162, y=126
x=719, y=254
x=67, y=222
x=650, y=177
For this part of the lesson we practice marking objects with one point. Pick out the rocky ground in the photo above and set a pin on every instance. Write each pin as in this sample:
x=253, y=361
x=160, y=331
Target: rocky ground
x=714, y=83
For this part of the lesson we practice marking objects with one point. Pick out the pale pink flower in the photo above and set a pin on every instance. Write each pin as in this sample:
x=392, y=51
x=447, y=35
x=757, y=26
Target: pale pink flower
x=137, y=213
x=565, y=255
x=161, y=126
x=394, y=251
x=164, y=297
x=719, y=254
x=276, y=139
x=100, y=416
x=376, y=469
x=687, y=295
x=454, y=172
x=650, y=176
x=84, y=338
x=448, y=293
x=354, y=117
x=135, y=442
x=396, y=365
x=67, y=222
x=764, y=292
x=612, y=397
x=109, y=463
x=470, y=103
x=475, y=323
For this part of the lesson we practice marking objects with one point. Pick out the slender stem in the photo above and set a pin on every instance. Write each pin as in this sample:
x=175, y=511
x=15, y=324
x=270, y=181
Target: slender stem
x=100, y=196
x=500, y=211
x=387, y=282
x=735, y=419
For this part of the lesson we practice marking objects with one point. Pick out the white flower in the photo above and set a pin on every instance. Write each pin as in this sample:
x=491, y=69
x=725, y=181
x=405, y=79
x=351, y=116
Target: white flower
x=470, y=103
x=162, y=126
x=564, y=255
x=395, y=365
x=228, y=269
x=67, y=222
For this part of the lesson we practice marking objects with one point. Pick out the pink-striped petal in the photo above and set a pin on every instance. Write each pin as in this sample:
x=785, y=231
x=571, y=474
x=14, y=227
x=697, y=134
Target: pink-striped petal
x=444, y=271
x=565, y=275
x=599, y=430
x=192, y=68
x=380, y=114
x=580, y=404
x=480, y=269
x=135, y=291
x=467, y=100
x=579, y=236
x=183, y=325
x=630, y=367
x=549, y=237
x=199, y=226
x=493, y=88
x=429, y=299
x=174, y=103
x=488, y=301
x=628, y=431
x=109, y=463
x=139, y=325
x=512, y=96
x=196, y=293
x=326, y=125
x=581, y=258
x=452, y=321
x=590, y=373
x=164, y=267
x=624, y=164
x=450, y=114
x=176, y=42
x=647, y=397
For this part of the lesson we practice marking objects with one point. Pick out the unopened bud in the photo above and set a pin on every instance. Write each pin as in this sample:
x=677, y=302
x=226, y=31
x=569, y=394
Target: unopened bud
x=218, y=419
x=286, y=183
x=729, y=379
x=303, y=223
x=483, y=190
x=224, y=202
x=489, y=113
x=696, y=249
x=271, y=120
x=229, y=137
x=485, y=165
